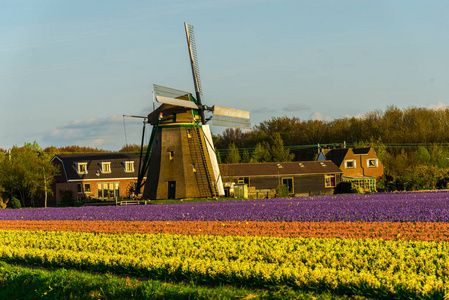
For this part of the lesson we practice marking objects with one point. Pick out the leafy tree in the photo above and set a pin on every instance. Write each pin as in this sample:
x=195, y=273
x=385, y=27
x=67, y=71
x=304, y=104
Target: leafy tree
x=422, y=156
x=261, y=153
x=72, y=149
x=133, y=148
x=233, y=155
x=439, y=156
x=423, y=177
x=26, y=173
x=277, y=150
x=246, y=157
x=230, y=136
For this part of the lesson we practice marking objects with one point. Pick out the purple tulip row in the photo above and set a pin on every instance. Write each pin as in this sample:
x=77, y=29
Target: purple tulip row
x=398, y=207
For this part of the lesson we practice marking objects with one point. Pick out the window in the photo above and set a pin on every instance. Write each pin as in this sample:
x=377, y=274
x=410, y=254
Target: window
x=244, y=180
x=108, y=190
x=82, y=168
x=193, y=167
x=323, y=164
x=288, y=182
x=105, y=167
x=188, y=133
x=279, y=166
x=372, y=162
x=87, y=188
x=129, y=166
x=301, y=165
x=350, y=164
x=79, y=187
x=329, y=180
x=171, y=154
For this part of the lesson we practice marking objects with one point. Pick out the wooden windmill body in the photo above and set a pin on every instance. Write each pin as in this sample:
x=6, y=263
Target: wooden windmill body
x=180, y=165
x=180, y=161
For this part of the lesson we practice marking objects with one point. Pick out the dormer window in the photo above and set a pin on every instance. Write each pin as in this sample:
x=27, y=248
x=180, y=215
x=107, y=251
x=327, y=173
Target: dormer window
x=81, y=168
x=105, y=167
x=280, y=166
x=301, y=165
x=129, y=166
x=323, y=164
x=350, y=164
x=372, y=162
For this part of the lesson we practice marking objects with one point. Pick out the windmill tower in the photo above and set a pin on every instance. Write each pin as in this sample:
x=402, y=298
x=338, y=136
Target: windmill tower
x=180, y=161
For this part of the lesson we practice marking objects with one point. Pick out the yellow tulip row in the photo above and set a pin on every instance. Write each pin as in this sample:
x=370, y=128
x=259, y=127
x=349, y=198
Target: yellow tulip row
x=368, y=267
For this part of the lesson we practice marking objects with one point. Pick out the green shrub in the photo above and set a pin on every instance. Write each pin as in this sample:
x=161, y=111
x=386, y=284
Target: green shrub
x=282, y=191
x=14, y=203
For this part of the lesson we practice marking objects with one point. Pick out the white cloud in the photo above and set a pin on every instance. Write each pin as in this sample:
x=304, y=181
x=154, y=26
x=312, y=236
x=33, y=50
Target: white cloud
x=439, y=105
x=106, y=133
x=320, y=116
x=359, y=115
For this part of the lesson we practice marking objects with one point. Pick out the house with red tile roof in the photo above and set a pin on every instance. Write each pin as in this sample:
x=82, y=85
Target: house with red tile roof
x=360, y=166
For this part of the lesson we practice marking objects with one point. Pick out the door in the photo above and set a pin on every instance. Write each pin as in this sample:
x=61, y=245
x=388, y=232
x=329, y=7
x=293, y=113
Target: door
x=171, y=189
x=288, y=182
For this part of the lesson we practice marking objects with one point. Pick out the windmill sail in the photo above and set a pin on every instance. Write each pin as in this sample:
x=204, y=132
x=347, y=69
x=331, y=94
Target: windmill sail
x=231, y=117
x=176, y=102
x=164, y=91
x=213, y=159
x=193, y=58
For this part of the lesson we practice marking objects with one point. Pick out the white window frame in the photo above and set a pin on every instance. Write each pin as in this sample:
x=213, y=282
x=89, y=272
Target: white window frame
x=353, y=164
x=113, y=190
x=131, y=163
x=79, y=166
x=376, y=162
x=105, y=167
x=87, y=190
x=328, y=180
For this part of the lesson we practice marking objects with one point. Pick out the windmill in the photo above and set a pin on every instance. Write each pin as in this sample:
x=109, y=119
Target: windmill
x=180, y=161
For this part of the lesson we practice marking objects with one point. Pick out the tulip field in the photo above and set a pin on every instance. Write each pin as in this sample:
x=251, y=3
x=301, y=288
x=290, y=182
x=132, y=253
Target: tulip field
x=382, y=246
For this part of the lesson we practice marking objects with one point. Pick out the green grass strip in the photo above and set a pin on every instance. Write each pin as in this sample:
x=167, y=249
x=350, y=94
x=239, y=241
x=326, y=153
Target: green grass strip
x=19, y=282
x=372, y=268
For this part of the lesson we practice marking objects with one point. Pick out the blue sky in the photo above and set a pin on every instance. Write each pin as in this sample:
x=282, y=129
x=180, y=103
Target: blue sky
x=69, y=70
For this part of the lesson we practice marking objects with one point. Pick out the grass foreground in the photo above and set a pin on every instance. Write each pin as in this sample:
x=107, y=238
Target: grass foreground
x=25, y=282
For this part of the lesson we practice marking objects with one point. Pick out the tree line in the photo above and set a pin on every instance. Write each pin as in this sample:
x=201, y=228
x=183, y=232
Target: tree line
x=393, y=126
x=412, y=143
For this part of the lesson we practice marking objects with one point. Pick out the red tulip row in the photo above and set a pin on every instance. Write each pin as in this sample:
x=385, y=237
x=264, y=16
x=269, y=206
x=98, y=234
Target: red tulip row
x=420, y=231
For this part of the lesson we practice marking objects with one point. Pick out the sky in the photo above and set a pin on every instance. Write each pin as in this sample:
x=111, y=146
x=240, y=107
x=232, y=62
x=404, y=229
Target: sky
x=70, y=70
